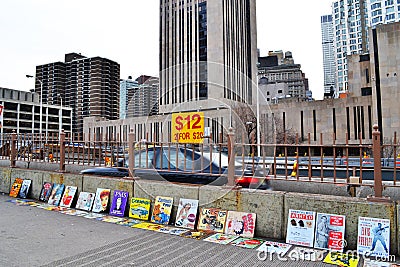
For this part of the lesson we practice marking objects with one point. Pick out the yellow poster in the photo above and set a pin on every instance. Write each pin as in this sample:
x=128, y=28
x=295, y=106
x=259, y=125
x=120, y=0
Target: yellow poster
x=162, y=210
x=139, y=208
x=188, y=128
x=342, y=259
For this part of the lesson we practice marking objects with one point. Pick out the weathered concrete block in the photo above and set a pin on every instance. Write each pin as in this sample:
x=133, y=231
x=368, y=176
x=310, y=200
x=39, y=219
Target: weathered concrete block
x=310, y=187
x=35, y=176
x=91, y=183
x=352, y=208
x=268, y=205
x=392, y=192
x=5, y=180
x=151, y=189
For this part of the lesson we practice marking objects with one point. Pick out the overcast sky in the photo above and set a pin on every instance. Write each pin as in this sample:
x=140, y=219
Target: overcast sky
x=36, y=32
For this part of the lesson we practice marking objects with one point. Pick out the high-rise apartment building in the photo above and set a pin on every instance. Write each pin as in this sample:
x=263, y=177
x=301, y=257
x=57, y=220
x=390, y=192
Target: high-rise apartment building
x=351, y=20
x=208, y=53
x=328, y=53
x=125, y=87
x=90, y=86
x=143, y=99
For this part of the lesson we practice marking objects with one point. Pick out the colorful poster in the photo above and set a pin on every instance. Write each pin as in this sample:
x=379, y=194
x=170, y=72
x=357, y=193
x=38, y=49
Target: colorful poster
x=165, y=229
x=148, y=226
x=139, y=208
x=306, y=254
x=101, y=200
x=274, y=247
x=245, y=242
x=128, y=222
x=212, y=219
x=177, y=231
x=219, y=238
x=187, y=213
x=56, y=194
x=196, y=234
x=68, y=196
x=162, y=210
x=15, y=187
x=110, y=219
x=329, y=232
x=85, y=201
x=23, y=192
x=118, y=204
x=373, y=237
x=45, y=192
x=300, y=228
x=240, y=223
x=92, y=215
x=342, y=259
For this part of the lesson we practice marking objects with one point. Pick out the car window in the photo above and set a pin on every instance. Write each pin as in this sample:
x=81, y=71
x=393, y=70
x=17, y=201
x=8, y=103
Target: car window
x=177, y=158
x=143, y=159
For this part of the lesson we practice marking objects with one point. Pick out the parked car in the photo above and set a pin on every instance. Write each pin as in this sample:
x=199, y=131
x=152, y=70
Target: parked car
x=178, y=164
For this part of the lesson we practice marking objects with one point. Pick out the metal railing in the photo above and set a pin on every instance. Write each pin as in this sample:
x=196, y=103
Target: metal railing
x=349, y=164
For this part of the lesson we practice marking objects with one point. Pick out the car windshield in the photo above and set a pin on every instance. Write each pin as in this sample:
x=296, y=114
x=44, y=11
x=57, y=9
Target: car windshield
x=143, y=159
x=182, y=159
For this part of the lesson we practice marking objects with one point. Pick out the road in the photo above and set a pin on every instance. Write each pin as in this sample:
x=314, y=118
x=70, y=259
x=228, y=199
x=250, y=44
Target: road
x=30, y=236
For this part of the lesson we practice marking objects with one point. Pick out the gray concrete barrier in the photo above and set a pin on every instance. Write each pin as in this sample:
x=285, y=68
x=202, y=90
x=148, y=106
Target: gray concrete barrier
x=352, y=208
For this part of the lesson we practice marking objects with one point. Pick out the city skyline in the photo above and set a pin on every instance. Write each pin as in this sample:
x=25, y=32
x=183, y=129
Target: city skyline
x=38, y=33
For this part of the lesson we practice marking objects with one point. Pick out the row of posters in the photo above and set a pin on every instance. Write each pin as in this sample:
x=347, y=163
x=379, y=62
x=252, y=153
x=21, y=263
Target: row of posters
x=327, y=231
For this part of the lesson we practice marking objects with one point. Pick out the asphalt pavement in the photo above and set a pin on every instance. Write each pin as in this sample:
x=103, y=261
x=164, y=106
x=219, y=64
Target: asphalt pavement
x=30, y=236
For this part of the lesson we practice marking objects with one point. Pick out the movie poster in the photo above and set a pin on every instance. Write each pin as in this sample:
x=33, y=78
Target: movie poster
x=85, y=201
x=162, y=210
x=222, y=239
x=45, y=192
x=240, y=223
x=300, y=228
x=139, y=208
x=23, y=192
x=187, y=213
x=342, y=259
x=274, y=247
x=329, y=232
x=100, y=203
x=245, y=242
x=373, y=237
x=212, y=219
x=15, y=187
x=56, y=193
x=118, y=204
x=68, y=196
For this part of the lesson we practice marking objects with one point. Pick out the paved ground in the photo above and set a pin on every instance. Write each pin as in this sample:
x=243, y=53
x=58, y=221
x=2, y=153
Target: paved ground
x=30, y=236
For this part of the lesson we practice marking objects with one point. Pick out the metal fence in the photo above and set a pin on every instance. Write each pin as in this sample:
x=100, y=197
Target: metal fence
x=373, y=164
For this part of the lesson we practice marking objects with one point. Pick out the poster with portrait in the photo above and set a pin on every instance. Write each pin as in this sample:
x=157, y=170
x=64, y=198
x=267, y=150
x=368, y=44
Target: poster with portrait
x=329, y=232
x=274, y=248
x=56, y=193
x=68, y=196
x=162, y=210
x=15, y=187
x=373, y=237
x=23, y=192
x=45, y=191
x=300, y=228
x=212, y=219
x=118, y=204
x=246, y=242
x=342, y=259
x=240, y=223
x=85, y=201
x=101, y=200
x=139, y=208
x=219, y=238
x=187, y=213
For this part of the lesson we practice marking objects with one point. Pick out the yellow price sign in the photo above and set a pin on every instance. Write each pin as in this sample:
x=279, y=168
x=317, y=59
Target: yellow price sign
x=188, y=128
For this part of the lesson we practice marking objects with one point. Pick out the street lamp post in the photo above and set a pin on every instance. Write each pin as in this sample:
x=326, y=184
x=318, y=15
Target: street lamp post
x=41, y=103
x=258, y=118
x=61, y=113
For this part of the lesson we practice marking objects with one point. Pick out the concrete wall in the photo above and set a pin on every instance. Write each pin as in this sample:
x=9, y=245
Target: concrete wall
x=271, y=207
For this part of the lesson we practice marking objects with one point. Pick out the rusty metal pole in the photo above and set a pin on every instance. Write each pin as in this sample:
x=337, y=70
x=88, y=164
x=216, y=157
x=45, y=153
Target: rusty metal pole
x=13, y=154
x=62, y=151
x=131, y=151
x=231, y=157
x=376, y=135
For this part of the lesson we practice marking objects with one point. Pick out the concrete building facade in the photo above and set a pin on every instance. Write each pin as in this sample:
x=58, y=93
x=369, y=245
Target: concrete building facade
x=90, y=86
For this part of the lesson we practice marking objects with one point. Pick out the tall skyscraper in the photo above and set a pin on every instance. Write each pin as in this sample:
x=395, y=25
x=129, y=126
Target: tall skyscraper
x=125, y=87
x=90, y=86
x=208, y=53
x=351, y=20
x=328, y=53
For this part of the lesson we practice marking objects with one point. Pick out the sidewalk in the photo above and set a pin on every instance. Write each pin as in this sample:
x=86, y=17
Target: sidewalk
x=30, y=236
